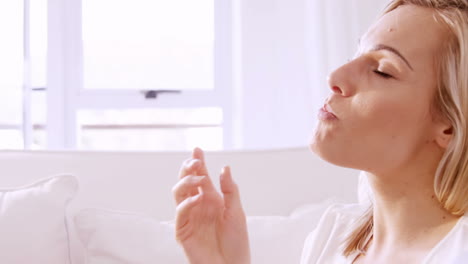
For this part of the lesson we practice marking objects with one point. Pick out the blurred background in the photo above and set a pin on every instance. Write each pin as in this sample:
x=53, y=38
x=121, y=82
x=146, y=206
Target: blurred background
x=167, y=75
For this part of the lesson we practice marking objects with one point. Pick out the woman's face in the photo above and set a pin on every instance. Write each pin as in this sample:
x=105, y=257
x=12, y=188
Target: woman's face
x=382, y=98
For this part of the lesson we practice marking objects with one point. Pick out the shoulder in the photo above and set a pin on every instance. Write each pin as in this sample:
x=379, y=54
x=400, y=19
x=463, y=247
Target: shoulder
x=345, y=210
x=325, y=241
x=340, y=215
x=454, y=247
x=461, y=240
x=464, y=222
x=459, y=234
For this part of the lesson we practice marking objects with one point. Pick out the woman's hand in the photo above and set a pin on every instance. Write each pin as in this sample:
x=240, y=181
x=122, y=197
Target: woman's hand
x=211, y=228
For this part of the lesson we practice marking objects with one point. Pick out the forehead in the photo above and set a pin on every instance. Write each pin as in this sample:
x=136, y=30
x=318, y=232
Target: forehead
x=412, y=30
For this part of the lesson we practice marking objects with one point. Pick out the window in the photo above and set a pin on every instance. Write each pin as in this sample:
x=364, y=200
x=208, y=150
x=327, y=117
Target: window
x=168, y=129
x=121, y=75
x=148, y=44
x=11, y=66
x=23, y=27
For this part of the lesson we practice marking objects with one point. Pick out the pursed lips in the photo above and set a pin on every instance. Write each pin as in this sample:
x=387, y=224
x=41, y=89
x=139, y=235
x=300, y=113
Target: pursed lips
x=327, y=108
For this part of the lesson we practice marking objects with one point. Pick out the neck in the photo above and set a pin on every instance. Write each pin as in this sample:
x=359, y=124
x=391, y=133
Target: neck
x=407, y=212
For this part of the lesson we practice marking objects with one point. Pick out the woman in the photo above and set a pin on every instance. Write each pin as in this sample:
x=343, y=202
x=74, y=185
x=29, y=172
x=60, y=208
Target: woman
x=397, y=111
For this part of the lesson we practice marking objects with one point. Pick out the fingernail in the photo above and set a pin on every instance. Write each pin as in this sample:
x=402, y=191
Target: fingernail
x=225, y=170
x=195, y=163
x=196, y=197
x=199, y=178
x=197, y=149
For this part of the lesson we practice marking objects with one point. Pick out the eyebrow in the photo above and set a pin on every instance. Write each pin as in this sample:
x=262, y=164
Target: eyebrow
x=394, y=51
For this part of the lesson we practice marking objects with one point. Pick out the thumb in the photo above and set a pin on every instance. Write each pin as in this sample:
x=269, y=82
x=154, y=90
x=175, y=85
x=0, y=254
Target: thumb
x=230, y=190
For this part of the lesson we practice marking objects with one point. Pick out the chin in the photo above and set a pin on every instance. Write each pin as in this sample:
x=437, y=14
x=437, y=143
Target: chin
x=323, y=152
x=332, y=154
x=328, y=147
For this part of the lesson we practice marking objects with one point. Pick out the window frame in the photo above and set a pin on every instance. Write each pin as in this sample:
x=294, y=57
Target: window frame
x=66, y=95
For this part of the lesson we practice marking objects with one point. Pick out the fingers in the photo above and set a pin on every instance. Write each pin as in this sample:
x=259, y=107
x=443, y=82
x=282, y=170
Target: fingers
x=189, y=167
x=186, y=187
x=190, y=187
x=196, y=166
x=199, y=155
x=183, y=211
x=230, y=190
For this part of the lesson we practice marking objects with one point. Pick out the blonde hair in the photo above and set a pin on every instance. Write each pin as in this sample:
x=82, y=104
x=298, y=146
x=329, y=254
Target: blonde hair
x=451, y=103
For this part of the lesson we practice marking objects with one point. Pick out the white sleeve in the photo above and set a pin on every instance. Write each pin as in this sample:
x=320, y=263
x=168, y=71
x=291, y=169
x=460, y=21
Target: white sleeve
x=316, y=240
x=324, y=244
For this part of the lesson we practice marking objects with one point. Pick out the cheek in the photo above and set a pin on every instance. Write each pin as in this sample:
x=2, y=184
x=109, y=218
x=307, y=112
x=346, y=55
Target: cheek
x=390, y=131
x=384, y=117
x=374, y=132
x=390, y=124
x=394, y=118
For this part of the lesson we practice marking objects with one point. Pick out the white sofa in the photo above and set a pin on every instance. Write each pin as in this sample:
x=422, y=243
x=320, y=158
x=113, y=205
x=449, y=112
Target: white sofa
x=284, y=192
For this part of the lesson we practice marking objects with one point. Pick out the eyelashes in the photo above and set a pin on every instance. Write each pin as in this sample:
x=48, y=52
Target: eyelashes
x=383, y=74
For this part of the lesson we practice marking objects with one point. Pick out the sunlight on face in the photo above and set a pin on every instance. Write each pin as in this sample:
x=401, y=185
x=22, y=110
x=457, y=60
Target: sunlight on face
x=382, y=98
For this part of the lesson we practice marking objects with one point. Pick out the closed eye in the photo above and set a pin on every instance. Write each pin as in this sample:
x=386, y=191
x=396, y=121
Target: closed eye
x=383, y=74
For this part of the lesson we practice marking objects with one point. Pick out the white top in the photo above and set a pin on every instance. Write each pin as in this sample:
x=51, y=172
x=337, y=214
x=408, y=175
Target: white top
x=324, y=244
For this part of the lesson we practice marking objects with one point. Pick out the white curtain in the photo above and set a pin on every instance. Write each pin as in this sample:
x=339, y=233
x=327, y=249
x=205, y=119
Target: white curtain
x=288, y=47
x=334, y=28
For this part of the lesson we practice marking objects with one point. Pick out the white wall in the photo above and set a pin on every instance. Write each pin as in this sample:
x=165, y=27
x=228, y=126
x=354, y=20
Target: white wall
x=287, y=49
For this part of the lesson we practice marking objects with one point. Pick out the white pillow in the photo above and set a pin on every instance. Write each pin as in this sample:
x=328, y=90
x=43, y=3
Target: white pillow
x=113, y=237
x=280, y=239
x=33, y=226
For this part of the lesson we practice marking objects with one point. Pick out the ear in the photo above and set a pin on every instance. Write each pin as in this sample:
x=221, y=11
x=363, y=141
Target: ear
x=443, y=134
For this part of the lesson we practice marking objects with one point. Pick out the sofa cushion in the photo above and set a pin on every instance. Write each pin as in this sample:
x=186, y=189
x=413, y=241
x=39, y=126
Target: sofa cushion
x=33, y=226
x=116, y=237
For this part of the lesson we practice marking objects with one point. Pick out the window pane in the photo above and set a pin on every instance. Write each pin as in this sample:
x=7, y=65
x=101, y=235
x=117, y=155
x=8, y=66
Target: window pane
x=152, y=139
x=10, y=105
x=38, y=117
x=38, y=42
x=151, y=129
x=11, y=51
x=11, y=139
x=11, y=69
x=148, y=44
x=38, y=49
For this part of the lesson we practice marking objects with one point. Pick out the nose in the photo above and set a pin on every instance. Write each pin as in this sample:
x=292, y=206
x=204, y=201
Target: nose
x=340, y=80
x=336, y=89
